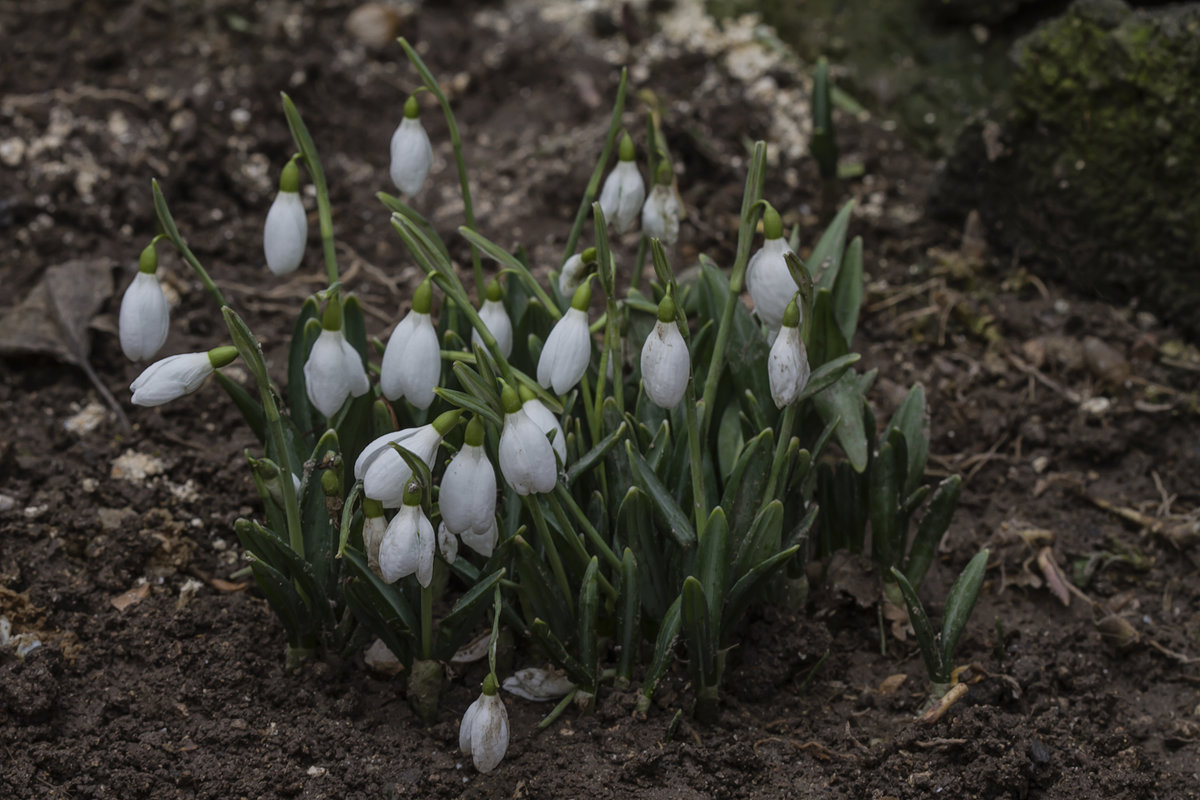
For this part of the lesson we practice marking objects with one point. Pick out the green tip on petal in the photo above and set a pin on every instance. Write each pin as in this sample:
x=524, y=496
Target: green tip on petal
x=583, y=296
x=666, y=310
x=626, y=151
x=474, y=435
x=331, y=318
x=423, y=298
x=221, y=356
x=412, y=109
x=412, y=493
x=791, y=314
x=588, y=256
x=772, y=224
x=490, y=686
x=494, y=292
x=289, y=179
x=445, y=422
x=665, y=174
x=148, y=260
x=372, y=508
x=510, y=401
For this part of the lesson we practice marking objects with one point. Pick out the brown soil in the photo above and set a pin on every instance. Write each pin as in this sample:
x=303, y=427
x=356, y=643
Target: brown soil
x=182, y=693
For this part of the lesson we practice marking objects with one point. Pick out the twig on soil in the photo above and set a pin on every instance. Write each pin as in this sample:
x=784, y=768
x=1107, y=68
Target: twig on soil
x=820, y=751
x=940, y=743
x=1037, y=375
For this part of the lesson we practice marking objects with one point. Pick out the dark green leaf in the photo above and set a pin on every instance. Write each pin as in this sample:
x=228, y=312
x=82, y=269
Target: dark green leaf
x=932, y=528
x=960, y=602
x=668, y=509
x=935, y=665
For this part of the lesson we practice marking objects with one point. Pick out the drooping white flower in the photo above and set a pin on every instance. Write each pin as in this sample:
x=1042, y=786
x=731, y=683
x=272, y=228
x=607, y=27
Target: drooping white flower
x=412, y=152
x=145, y=318
x=665, y=361
x=483, y=734
x=767, y=276
x=482, y=542
x=412, y=362
x=568, y=348
x=334, y=370
x=285, y=232
x=526, y=455
x=467, y=499
x=623, y=192
x=495, y=317
x=172, y=377
x=661, y=212
x=787, y=364
x=409, y=544
x=574, y=271
x=385, y=473
x=447, y=543
x=546, y=421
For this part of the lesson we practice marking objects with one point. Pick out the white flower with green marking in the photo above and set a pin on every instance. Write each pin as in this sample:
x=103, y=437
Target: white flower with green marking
x=145, y=317
x=483, y=734
x=411, y=150
x=285, y=232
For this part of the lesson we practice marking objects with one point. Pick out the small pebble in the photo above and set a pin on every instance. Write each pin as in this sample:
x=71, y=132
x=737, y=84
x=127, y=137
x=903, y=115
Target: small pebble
x=1038, y=752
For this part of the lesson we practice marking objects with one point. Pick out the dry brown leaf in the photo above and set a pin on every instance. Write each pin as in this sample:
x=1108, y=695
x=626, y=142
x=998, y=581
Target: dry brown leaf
x=892, y=682
x=1055, y=580
x=135, y=595
x=226, y=586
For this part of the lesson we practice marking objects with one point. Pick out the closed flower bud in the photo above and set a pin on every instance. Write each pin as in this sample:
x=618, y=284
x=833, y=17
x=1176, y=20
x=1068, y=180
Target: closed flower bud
x=495, y=317
x=412, y=362
x=526, y=455
x=483, y=734
x=409, y=543
x=334, y=369
x=175, y=376
x=623, y=192
x=286, y=230
x=467, y=499
x=145, y=318
x=412, y=153
x=665, y=361
x=787, y=364
x=661, y=212
x=767, y=276
x=546, y=422
x=385, y=473
x=568, y=348
x=575, y=270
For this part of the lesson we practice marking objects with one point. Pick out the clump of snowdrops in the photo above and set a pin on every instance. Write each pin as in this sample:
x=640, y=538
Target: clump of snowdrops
x=612, y=473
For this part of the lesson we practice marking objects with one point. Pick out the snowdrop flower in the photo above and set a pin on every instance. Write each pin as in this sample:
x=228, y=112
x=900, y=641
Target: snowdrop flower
x=373, y=530
x=412, y=153
x=467, y=499
x=665, y=361
x=447, y=543
x=408, y=545
x=495, y=317
x=787, y=364
x=334, y=370
x=412, y=362
x=575, y=270
x=385, y=473
x=286, y=230
x=175, y=376
x=546, y=421
x=145, y=318
x=526, y=455
x=483, y=734
x=661, y=213
x=623, y=192
x=568, y=348
x=767, y=276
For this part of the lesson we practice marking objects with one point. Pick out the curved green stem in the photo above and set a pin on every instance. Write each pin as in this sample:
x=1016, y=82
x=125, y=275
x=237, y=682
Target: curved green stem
x=562, y=495
x=560, y=575
x=171, y=232
x=696, y=458
x=456, y=143
x=308, y=151
x=777, y=463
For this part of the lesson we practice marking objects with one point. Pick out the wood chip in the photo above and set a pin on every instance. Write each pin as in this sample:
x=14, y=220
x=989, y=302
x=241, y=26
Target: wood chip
x=135, y=595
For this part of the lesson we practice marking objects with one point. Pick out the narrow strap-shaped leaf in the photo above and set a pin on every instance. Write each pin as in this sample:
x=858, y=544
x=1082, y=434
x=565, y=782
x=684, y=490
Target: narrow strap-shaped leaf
x=912, y=421
x=826, y=257
x=676, y=521
x=762, y=540
x=298, y=404
x=937, y=667
x=960, y=602
x=557, y=652
x=286, y=603
x=593, y=456
x=589, y=613
x=697, y=629
x=664, y=652
x=848, y=289
x=747, y=587
x=932, y=528
x=712, y=564
x=882, y=503
x=468, y=402
x=506, y=259
x=826, y=375
x=462, y=618
x=628, y=625
x=843, y=401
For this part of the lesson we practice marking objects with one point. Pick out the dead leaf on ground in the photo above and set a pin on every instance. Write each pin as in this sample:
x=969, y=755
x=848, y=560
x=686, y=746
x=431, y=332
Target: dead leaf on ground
x=1055, y=580
x=135, y=595
x=53, y=318
x=891, y=683
x=226, y=586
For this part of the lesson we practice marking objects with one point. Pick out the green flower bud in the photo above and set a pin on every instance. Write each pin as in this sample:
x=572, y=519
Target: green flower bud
x=510, y=401
x=412, y=109
x=221, y=356
x=474, y=434
x=666, y=310
x=289, y=179
x=772, y=224
x=148, y=260
x=494, y=292
x=626, y=150
x=446, y=422
x=791, y=314
x=583, y=296
x=423, y=298
x=331, y=484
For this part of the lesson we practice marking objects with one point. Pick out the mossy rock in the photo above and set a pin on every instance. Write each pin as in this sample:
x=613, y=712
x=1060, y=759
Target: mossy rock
x=1091, y=169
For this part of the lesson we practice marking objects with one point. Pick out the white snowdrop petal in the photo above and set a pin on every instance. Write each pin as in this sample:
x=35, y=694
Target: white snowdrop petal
x=464, y=728
x=622, y=195
x=423, y=367
x=355, y=374
x=412, y=156
x=399, y=553
x=788, y=368
x=660, y=215
x=326, y=375
x=426, y=545
x=377, y=448
x=526, y=456
x=144, y=319
x=495, y=317
x=285, y=233
x=566, y=354
x=489, y=733
x=170, y=379
x=467, y=498
x=770, y=282
x=549, y=425
x=482, y=540
x=665, y=365
x=387, y=473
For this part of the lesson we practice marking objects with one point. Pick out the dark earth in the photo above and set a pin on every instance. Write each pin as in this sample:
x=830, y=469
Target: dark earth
x=160, y=673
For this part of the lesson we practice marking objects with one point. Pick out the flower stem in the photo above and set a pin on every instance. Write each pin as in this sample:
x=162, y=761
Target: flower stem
x=696, y=458
x=456, y=144
x=777, y=463
x=171, y=232
x=560, y=575
x=312, y=162
x=562, y=495
x=426, y=622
